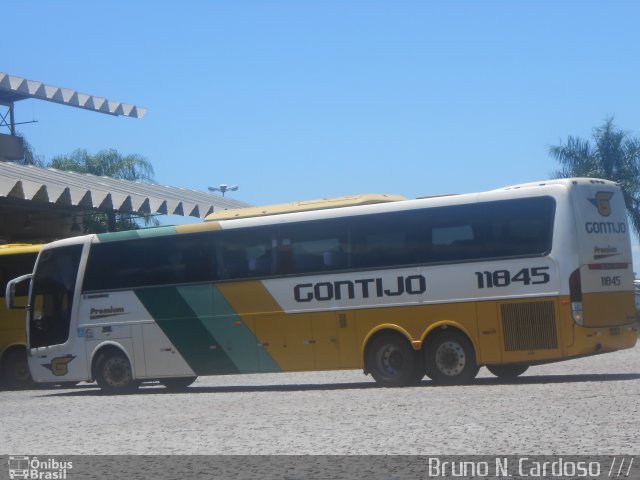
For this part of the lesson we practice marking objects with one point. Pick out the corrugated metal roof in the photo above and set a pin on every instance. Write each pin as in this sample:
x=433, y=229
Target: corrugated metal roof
x=14, y=88
x=87, y=191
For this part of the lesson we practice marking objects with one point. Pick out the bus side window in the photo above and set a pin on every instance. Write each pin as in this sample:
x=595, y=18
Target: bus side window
x=150, y=261
x=259, y=260
x=379, y=249
x=285, y=257
x=243, y=256
x=335, y=259
x=454, y=243
x=234, y=263
x=200, y=262
x=309, y=248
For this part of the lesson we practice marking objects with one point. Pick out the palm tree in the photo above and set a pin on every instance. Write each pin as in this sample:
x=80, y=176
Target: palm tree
x=614, y=155
x=109, y=163
x=106, y=163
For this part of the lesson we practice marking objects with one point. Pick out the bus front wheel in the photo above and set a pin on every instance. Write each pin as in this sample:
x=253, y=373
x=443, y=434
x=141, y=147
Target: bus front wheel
x=392, y=362
x=113, y=373
x=508, y=372
x=451, y=359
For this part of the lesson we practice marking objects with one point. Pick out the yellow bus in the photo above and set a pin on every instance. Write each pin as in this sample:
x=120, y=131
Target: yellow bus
x=438, y=286
x=15, y=260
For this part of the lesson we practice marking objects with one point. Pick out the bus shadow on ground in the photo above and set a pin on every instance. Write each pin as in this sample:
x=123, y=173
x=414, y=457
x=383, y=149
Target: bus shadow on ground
x=544, y=379
x=156, y=389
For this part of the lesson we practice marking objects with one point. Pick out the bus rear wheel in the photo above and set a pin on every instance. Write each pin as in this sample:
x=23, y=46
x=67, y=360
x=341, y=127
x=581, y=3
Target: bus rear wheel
x=113, y=373
x=508, y=372
x=15, y=369
x=392, y=362
x=177, y=384
x=451, y=359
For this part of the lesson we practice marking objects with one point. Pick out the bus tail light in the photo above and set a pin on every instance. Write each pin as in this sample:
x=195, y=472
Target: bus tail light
x=575, y=295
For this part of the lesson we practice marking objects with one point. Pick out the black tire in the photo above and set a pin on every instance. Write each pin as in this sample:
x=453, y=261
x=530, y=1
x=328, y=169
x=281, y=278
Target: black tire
x=451, y=359
x=177, y=384
x=508, y=372
x=392, y=362
x=113, y=373
x=15, y=370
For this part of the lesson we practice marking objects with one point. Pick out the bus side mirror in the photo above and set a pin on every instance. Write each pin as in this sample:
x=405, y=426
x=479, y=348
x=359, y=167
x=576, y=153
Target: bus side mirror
x=11, y=291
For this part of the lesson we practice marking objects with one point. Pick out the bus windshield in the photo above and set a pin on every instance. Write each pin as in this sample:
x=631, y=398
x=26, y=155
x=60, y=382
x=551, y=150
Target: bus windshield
x=52, y=296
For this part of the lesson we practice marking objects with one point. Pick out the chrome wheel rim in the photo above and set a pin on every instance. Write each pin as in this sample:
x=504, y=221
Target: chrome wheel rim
x=390, y=360
x=117, y=372
x=450, y=358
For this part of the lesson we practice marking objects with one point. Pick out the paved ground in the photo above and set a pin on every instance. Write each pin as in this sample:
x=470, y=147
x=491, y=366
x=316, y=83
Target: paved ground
x=587, y=406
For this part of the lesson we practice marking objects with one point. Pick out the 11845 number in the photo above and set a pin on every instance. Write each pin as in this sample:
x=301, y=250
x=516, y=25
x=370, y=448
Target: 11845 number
x=503, y=278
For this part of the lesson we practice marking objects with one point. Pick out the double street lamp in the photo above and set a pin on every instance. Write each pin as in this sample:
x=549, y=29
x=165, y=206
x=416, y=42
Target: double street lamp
x=224, y=188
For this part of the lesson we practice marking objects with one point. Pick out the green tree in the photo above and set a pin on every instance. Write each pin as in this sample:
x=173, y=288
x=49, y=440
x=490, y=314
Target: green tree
x=30, y=157
x=109, y=163
x=613, y=155
x=106, y=163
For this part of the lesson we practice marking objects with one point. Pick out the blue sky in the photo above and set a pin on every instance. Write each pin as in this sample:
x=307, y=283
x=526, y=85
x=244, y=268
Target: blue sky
x=306, y=99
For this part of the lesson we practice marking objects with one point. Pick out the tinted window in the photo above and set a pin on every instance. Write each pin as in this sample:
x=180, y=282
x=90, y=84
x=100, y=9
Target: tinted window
x=314, y=247
x=457, y=233
x=12, y=266
x=388, y=239
x=166, y=260
x=521, y=227
x=246, y=253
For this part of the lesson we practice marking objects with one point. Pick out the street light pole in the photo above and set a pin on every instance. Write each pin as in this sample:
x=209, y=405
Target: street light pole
x=223, y=188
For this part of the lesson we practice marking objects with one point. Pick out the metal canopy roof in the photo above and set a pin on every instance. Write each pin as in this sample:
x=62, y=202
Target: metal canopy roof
x=14, y=88
x=89, y=192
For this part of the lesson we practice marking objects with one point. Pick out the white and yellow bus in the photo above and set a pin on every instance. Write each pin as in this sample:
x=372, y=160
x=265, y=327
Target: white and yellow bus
x=15, y=260
x=438, y=286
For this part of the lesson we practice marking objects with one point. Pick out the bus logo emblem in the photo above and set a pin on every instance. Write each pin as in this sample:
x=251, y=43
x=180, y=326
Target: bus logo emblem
x=601, y=202
x=59, y=366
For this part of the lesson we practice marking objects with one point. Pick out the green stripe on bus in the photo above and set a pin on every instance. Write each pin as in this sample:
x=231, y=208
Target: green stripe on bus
x=222, y=322
x=134, y=234
x=156, y=231
x=181, y=325
x=115, y=236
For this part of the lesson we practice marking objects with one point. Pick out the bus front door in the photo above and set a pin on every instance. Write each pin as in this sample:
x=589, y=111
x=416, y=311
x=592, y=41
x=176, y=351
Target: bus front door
x=52, y=357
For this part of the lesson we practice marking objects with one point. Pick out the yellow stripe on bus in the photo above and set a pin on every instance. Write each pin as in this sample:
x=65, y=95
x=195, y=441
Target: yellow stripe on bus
x=198, y=227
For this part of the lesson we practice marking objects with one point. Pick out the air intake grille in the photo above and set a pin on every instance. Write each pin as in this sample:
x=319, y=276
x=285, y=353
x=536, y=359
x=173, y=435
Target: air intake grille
x=529, y=326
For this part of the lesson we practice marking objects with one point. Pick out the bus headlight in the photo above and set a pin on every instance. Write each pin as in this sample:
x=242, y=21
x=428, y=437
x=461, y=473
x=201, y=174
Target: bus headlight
x=576, y=312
